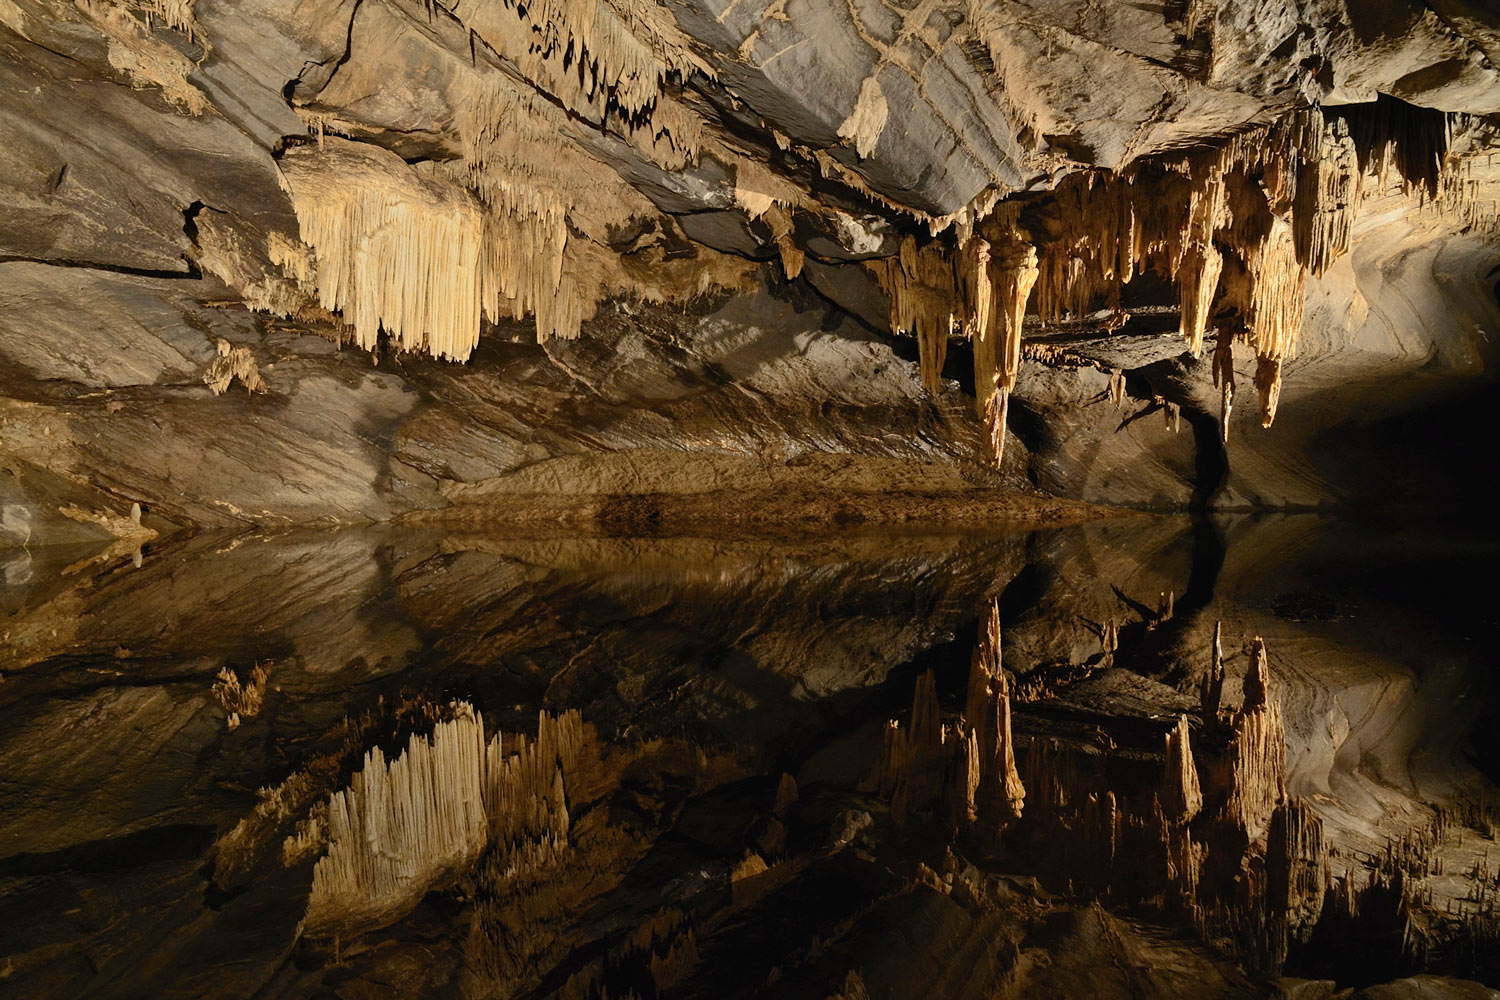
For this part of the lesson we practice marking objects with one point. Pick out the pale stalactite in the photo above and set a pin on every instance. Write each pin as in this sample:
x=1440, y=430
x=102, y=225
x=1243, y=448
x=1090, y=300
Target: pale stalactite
x=867, y=120
x=1278, y=292
x=146, y=60
x=978, y=302
x=396, y=249
x=603, y=60
x=233, y=363
x=1197, y=280
x=1015, y=275
x=920, y=284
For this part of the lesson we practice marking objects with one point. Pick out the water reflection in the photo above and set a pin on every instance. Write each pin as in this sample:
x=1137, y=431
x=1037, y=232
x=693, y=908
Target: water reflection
x=401, y=763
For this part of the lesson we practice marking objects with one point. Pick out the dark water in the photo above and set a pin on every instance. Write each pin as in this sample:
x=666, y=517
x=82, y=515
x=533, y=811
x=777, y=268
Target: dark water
x=705, y=669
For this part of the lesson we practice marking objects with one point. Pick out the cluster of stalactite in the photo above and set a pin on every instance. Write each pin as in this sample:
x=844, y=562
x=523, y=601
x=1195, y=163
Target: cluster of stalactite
x=403, y=826
x=968, y=767
x=980, y=292
x=1239, y=229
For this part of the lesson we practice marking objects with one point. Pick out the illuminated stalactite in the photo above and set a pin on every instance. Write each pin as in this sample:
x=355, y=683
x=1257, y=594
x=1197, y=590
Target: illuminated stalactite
x=397, y=248
x=921, y=287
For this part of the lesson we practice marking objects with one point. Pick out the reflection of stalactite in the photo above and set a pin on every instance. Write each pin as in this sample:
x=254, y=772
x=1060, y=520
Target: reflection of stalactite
x=1254, y=769
x=1181, y=796
x=1001, y=793
x=1297, y=872
x=1224, y=379
x=1211, y=689
x=403, y=826
x=971, y=767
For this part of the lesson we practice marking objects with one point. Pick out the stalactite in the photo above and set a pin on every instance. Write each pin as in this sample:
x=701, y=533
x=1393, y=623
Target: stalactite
x=1016, y=269
x=1198, y=278
x=148, y=61
x=233, y=363
x=1117, y=388
x=978, y=297
x=1278, y=287
x=396, y=250
x=921, y=286
x=786, y=244
x=996, y=413
x=602, y=59
x=867, y=120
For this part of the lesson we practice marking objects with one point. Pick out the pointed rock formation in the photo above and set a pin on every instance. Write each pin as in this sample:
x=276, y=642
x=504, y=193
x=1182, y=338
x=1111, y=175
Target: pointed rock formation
x=1181, y=795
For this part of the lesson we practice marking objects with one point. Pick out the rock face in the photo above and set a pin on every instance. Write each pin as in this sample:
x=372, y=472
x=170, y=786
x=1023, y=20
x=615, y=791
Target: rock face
x=715, y=198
